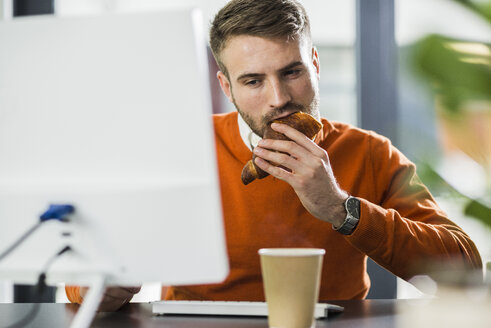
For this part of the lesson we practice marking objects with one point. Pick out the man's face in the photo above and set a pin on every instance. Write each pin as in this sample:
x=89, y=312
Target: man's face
x=268, y=79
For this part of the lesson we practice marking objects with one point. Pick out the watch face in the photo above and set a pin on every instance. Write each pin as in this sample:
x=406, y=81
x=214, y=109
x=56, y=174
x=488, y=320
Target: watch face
x=353, y=207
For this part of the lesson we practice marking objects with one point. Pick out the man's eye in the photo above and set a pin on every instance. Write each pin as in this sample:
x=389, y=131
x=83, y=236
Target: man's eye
x=292, y=72
x=252, y=82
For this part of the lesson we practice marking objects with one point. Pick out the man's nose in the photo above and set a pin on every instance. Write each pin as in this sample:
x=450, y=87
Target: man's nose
x=279, y=94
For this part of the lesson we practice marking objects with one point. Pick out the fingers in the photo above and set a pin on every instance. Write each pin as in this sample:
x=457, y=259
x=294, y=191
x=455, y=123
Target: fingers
x=121, y=293
x=274, y=170
x=114, y=297
x=299, y=138
x=133, y=290
x=300, y=155
x=296, y=161
x=279, y=159
x=287, y=147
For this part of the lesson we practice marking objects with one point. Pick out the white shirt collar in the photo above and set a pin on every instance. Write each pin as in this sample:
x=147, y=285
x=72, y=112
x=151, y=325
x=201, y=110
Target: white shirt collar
x=250, y=138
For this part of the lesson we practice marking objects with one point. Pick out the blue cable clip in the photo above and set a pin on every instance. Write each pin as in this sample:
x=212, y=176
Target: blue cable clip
x=57, y=212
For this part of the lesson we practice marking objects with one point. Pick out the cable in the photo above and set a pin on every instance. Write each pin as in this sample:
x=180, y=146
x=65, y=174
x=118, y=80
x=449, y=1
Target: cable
x=20, y=240
x=40, y=287
x=54, y=212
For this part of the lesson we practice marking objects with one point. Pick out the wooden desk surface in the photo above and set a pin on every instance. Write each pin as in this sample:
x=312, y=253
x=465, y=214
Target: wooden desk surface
x=366, y=313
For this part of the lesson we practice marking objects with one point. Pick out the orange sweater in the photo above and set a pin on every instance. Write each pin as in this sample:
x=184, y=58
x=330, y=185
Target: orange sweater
x=400, y=224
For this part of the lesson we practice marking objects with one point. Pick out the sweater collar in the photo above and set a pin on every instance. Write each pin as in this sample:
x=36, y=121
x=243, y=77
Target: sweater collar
x=249, y=138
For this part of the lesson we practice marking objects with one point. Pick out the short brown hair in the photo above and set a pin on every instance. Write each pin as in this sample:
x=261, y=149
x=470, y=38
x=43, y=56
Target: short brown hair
x=264, y=18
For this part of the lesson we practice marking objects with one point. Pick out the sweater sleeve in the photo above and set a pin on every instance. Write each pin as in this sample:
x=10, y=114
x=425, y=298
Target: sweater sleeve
x=73, y=294
x=404, y=230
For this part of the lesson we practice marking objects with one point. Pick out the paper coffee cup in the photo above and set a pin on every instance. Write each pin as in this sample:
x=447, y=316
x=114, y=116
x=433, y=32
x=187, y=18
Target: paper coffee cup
x=291, y=280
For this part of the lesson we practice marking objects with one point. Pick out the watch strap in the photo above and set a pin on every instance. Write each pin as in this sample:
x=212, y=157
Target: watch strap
x=352, y=216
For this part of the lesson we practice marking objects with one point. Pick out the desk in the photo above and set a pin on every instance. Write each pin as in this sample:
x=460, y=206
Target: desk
x=366, y=313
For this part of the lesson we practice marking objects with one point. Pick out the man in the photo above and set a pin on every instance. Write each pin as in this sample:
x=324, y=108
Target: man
x=348, y=191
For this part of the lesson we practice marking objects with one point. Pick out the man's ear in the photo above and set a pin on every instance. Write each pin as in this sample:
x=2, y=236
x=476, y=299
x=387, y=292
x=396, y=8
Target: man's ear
x=225, y=85
x=316, y=62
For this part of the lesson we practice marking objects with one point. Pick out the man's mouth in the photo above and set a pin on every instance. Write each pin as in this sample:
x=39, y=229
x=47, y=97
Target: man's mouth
x=282, y=115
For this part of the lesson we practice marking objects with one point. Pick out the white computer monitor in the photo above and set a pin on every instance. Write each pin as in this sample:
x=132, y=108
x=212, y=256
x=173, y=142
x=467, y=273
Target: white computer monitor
x=111, y=114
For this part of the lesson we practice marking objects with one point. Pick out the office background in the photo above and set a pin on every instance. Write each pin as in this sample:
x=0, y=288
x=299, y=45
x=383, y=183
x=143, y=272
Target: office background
x=366, y=80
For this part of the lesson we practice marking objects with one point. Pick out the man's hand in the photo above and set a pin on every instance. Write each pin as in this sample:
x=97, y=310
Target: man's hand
x=311, y=174
x=114, y=297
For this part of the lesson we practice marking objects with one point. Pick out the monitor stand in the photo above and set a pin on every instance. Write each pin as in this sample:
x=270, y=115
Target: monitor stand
x=88, y=308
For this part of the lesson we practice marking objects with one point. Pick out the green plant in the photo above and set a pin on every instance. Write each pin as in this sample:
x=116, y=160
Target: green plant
x=459, y=72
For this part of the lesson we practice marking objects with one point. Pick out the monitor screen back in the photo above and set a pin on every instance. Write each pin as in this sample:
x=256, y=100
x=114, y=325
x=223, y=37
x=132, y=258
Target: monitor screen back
x=111, y=114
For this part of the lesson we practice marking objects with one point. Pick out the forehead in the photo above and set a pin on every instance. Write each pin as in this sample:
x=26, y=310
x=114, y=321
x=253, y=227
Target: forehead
x=252, y=54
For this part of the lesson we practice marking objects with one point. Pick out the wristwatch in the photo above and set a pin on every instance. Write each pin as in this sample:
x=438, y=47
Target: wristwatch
x=352, y=206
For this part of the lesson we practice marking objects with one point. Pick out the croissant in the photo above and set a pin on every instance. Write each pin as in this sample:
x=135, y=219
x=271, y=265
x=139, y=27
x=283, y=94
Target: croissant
x=300, y=121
